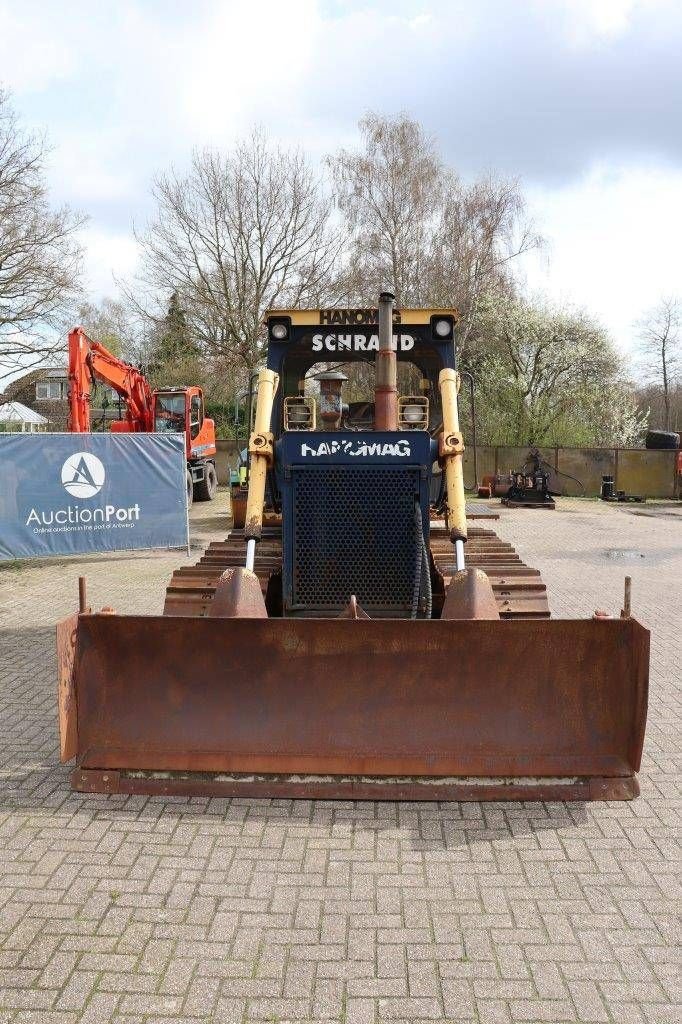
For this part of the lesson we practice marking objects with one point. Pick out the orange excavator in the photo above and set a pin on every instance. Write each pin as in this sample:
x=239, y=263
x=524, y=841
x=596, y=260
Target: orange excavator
x=175, y=410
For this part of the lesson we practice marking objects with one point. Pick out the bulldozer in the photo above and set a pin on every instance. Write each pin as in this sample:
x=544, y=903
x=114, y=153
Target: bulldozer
x=346, y=643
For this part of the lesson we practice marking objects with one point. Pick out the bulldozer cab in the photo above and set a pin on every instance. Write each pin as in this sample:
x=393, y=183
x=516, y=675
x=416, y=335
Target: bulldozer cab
x=305, y=344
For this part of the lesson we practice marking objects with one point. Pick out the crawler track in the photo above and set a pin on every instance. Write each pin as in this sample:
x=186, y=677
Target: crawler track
x=519, y=590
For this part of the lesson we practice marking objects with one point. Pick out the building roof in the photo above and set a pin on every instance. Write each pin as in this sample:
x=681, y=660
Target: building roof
x=15, y=412
x=30, y=378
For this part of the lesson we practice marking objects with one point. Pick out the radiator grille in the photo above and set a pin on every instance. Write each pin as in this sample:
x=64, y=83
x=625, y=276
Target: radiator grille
x=354, y=533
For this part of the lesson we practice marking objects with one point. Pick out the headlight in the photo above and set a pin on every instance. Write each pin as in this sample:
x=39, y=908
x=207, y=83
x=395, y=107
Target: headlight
x=442, y=328
x=413, y=413
x=279, y=331
x=299, y=413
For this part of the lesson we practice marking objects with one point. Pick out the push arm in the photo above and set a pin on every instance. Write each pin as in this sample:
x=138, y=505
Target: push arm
x=451, y=451
x=260, y=457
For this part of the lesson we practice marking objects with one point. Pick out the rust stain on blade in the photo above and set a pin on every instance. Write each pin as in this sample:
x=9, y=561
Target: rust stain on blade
x=67, y=632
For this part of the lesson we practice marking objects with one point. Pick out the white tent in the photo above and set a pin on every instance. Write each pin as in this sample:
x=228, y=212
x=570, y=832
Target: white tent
x=15, y=416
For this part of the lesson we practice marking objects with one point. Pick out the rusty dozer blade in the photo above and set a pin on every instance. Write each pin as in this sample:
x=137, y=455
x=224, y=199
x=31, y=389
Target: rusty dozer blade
x=354, y=708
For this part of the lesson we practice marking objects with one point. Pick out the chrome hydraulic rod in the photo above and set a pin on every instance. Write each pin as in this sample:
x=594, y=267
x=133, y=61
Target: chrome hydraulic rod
x=451, y=450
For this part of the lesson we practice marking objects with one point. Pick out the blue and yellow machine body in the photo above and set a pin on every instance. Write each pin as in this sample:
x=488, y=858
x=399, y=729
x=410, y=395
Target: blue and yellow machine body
x=347, y=643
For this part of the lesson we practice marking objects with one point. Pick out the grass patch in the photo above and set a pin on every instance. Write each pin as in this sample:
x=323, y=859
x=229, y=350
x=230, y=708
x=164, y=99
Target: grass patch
x=12, y=566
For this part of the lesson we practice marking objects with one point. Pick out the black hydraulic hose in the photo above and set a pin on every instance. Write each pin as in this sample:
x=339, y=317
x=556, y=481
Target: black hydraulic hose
x=438, y=503
x=236, y=434
x=422, y=575
x=249, y=407
x=560, y=472
x=427, y=591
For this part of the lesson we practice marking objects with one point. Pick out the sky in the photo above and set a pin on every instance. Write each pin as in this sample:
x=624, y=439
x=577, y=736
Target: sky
x=578, y=99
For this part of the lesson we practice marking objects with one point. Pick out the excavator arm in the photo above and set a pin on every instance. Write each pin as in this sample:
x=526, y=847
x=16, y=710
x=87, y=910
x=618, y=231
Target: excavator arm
x=89, y=361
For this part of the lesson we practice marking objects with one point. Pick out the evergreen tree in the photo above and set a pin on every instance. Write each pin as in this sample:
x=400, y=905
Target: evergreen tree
x=175, y=344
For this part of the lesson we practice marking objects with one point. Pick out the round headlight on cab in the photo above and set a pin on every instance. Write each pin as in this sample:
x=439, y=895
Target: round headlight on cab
x=279, y=331
x=442, y=328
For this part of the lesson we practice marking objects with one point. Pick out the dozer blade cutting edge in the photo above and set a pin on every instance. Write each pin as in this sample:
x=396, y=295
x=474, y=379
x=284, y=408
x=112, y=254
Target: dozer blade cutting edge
x=364, y=709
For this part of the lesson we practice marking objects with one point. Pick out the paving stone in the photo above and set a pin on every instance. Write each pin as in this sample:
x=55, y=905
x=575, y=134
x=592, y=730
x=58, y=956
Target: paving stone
x=141, y=910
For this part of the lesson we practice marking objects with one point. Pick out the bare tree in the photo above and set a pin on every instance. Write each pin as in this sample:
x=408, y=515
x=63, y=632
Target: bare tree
x=238, y=234
x=40, y=257
x=482, y=228
x=659, y=334
x=390, y=194
x=650, y=400
x=111, y=322
x=415, y=225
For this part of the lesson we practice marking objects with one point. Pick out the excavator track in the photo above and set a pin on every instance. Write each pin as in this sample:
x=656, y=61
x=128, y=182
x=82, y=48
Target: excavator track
x=518, y=589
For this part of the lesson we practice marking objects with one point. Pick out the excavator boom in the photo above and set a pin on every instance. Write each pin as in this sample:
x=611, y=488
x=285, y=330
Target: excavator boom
x=90, y=361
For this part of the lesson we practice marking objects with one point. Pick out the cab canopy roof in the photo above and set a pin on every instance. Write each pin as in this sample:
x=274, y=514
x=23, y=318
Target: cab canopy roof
x=300, y=338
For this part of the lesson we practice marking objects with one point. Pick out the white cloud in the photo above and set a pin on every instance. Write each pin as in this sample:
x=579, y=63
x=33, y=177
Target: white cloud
x=575, y=95
x=88, y=175
x=247, y=60
x=613, y=243
x=109, y=254
x=590, y=20
x=33, y=51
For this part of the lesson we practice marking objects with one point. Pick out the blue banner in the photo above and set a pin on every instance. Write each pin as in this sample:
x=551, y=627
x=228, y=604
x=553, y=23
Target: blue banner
x=63, y=494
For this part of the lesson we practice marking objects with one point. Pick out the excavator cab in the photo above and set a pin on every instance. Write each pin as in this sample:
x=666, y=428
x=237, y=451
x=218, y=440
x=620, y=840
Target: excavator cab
x=345, y=643
x=181, y=411
x=170, y=411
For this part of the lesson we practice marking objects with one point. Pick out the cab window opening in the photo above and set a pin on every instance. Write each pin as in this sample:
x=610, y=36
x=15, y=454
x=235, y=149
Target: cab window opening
x=169, y=415
x=358, y=389
x=195, y=415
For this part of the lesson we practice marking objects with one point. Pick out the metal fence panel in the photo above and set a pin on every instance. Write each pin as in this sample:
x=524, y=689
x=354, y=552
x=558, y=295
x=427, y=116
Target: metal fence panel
x=650, y=473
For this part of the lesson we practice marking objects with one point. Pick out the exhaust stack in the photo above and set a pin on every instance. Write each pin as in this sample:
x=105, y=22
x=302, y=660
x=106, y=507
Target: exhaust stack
x=386, y=377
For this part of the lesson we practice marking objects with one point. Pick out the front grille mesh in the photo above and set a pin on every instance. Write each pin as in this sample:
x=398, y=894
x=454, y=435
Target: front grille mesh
x=354, y=533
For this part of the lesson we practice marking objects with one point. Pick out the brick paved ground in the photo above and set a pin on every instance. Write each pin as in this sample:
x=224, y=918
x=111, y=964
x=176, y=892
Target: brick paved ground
x=135, y=910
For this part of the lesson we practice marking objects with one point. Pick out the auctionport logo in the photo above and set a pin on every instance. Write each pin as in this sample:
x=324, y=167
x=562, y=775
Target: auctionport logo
x=83, y=475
